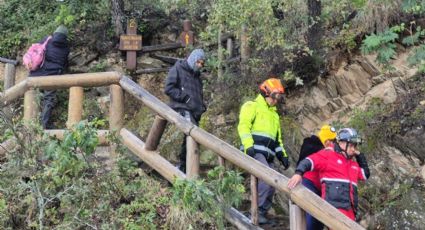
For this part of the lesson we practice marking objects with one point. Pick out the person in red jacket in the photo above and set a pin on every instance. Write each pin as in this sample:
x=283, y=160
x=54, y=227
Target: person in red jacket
x=338, y=171
x=324, y=139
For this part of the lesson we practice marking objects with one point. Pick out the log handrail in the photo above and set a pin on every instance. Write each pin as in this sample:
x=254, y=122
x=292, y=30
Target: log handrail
x=303, y=197
x=59, y=82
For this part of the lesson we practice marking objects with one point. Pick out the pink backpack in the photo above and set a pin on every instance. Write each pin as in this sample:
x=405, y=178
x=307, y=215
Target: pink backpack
x=34, y=57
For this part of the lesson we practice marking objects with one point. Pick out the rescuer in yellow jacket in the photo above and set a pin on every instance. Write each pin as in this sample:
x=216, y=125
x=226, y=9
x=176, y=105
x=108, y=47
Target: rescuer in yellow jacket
x=261, y=136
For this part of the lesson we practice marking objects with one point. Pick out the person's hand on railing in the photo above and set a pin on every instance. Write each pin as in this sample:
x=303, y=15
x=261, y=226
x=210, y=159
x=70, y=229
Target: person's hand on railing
x=294, y=181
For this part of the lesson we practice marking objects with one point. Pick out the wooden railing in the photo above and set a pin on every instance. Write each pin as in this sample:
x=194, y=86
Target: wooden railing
x=301, y=196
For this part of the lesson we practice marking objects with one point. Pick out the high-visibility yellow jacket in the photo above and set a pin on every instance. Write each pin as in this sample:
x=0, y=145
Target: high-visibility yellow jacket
x=259, y=126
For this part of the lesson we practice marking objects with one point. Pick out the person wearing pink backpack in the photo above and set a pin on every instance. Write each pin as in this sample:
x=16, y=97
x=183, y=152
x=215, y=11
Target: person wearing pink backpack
x=55, y=63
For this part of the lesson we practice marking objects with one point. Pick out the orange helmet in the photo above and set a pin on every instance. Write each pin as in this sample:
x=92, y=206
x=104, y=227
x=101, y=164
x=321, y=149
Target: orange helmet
x=271, y=86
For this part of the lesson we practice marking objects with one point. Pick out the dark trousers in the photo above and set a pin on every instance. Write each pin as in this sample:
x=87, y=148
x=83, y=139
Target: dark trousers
x=312, y=223
x=265, y=191
x=49, y=102
x=189, y=117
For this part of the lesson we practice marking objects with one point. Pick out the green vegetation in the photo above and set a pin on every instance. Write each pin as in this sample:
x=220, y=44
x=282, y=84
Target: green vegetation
x=367, y=122
x=195, y=201
x=60, y=184
x=25, y=22
x=384, y=43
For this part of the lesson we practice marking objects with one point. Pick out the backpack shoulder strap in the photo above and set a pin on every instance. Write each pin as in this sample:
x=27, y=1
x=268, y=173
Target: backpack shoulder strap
x=47, y=41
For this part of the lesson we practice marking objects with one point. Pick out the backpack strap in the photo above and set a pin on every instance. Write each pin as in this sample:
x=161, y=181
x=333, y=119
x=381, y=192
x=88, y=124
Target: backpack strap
x=47, y=41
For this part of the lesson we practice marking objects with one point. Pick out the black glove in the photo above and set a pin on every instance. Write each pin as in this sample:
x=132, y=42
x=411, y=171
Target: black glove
x=250, y=152
x=285, y=162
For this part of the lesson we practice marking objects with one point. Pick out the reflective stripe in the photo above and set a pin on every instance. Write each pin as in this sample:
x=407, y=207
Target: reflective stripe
x=263, y=135
x=334, y=179
x=364, y=175
x=312, y=163
x=263, y=148
x=279, y=149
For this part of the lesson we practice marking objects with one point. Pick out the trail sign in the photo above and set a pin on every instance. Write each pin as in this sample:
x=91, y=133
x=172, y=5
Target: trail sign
x=131, y=42
x=186, y=37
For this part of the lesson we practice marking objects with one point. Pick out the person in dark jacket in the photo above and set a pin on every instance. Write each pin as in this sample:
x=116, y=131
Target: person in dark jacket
x=184, y=87
x=55, y=63
x=324, y=139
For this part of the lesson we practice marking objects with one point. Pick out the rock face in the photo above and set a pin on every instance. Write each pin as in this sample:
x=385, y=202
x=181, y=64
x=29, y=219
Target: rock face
x=335, y=96
x=393, y=198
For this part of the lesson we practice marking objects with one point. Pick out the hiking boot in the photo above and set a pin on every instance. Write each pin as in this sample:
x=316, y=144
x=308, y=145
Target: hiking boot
x=262, y=219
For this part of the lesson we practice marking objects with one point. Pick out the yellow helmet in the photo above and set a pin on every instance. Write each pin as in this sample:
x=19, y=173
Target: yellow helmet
x=327, y=132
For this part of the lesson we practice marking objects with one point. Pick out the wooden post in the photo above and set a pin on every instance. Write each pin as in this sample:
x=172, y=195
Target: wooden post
x=30, y=105
x=192, y=158
x=254, y=200
x=116, y=109
x=9, y=81
x=245, y=51
x=221, y=161
x=131, y=42
x=296, y=217
x=116, y=114
x=155, y=133
x=229, y=48
x=75, y=106
x=9, y=77
x=220, y=54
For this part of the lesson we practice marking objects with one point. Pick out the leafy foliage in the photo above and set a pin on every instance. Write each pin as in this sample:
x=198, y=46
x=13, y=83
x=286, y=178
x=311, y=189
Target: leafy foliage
x=193, y=197
x=28, y=21
x=368, y=123
x=418, y=58
x=382, y=43
x=60, y=184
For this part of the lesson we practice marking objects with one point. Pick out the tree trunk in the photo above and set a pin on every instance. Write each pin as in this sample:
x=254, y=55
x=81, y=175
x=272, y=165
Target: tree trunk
x=118, y=16
x=314, y=34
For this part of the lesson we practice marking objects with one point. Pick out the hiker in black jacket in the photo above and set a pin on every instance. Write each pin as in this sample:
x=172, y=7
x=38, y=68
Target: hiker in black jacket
x=184, y=87
x=55, y=63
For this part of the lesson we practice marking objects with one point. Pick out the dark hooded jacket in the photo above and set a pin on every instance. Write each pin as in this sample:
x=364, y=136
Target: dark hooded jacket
x=310, y=145
x=56, y=56
x=184, y=87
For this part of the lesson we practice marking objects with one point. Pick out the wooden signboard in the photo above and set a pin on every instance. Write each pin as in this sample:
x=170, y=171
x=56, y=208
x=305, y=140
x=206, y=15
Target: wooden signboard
x=186, y=37
x=131, y=42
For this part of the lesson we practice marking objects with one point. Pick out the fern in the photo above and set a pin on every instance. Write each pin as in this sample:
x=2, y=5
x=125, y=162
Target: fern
x=414, y=38
x=418, y=58
x=382, y=44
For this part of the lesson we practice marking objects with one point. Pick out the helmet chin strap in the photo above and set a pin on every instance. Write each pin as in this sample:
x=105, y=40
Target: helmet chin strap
x=340, y=150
